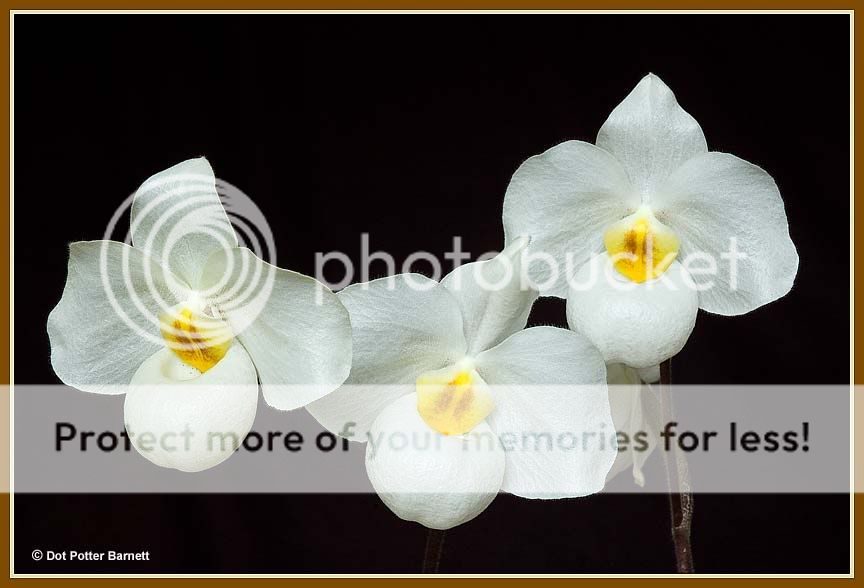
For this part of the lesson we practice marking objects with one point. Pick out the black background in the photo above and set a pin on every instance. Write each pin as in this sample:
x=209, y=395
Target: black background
x=409, y=128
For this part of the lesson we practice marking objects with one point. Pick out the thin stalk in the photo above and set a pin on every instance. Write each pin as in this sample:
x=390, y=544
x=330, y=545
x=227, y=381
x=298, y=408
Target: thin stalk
x=678, y=477
x=434, y=549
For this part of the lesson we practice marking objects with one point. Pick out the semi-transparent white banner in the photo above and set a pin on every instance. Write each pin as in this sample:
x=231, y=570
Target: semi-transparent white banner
x=776, y=439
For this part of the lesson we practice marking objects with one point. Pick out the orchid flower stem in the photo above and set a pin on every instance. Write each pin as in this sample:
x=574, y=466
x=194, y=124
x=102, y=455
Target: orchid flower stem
x=434, y=549
x=678, y=477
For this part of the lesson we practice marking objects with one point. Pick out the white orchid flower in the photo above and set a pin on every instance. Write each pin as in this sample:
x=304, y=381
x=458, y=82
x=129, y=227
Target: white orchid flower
x=459, y=401
x=652, y=201
x=186, y=323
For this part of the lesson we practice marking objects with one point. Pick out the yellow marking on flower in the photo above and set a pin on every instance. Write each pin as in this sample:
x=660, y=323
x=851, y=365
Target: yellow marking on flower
x=197, y=339
x=642, y=248
x=454, y=400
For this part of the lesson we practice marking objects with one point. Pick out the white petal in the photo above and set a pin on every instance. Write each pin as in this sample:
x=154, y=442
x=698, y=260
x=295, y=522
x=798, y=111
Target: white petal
x=295, y=329
x=436, y=480
x=178, y=218
x=715, y=198
x=494, y=298
x=640, y=325
x=563, y=200
x=402, y=326
x=636, y=413
x=106, y=323
x=651, y=134
x=549, y=386
x=179, y=418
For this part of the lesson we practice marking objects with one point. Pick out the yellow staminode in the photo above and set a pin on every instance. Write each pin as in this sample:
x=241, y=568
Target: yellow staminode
x=453, y=400
x=197, y=339
x=641, y=246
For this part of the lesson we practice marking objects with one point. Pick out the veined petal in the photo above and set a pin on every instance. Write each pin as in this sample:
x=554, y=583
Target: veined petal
x=180, y=418
x=639, y=325
x=295, y=329
x=723, y=207
x=402, y=326
x=178, y=218
x=651, y=135
x=436, y=480
x=494, y=298
x=564, y=199
x=106, y=323
x=549, y=386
